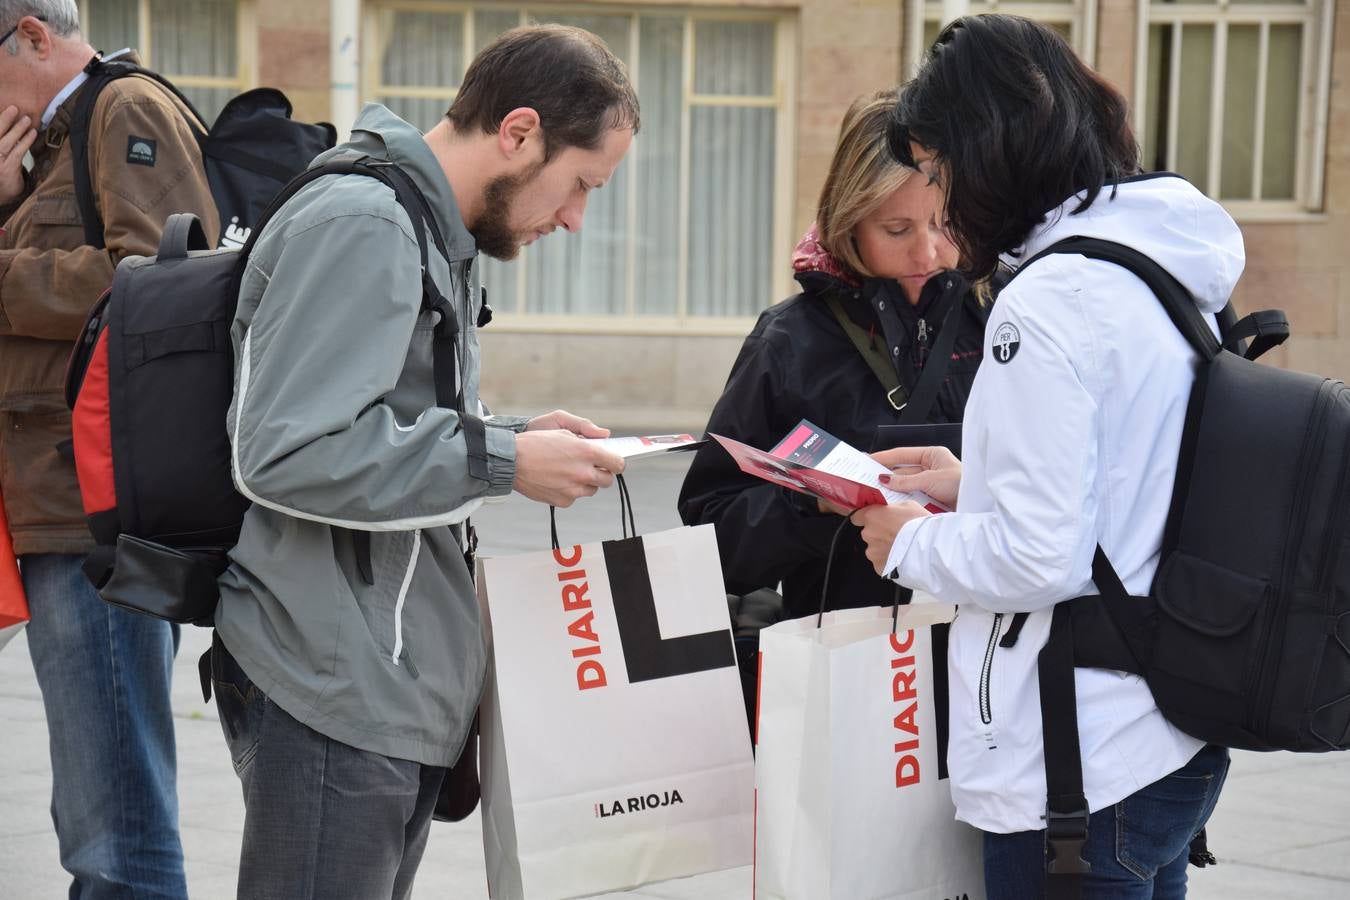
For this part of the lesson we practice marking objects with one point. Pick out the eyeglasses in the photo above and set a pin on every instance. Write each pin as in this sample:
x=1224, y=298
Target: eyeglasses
x=9, y=34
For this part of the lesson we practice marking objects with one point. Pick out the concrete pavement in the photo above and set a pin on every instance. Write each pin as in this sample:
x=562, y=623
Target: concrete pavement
x=1282, y=829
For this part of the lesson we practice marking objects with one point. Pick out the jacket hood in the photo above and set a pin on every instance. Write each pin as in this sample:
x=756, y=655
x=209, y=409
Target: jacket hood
x=810, y=257
x=1165, y=217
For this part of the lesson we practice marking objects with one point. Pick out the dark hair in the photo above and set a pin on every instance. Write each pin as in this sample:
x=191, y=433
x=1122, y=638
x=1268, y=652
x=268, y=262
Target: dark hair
x=1017, y=124
x=567, y=75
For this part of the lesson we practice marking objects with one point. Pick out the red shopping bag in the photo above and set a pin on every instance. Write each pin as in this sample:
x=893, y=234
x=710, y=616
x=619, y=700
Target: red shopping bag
x=13, y=603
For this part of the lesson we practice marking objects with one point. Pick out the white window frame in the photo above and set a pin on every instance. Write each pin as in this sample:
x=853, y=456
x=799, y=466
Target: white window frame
x=783, y=100
x=1079, y=15
x=1314, y=90
x=246, y=47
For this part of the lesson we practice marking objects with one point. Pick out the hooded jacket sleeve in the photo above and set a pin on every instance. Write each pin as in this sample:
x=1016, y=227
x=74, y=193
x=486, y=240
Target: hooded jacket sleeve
x=47, y=293
x=764, y=532
x=1035, y=419
x=311, y=434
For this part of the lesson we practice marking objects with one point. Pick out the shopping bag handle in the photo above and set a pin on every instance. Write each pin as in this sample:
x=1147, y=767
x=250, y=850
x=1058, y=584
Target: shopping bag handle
x=629, y=525
x=825, y=584
x=626, y=520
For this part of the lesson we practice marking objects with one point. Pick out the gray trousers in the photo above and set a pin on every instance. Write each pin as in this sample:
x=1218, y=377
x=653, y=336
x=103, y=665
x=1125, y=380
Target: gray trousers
x=323, y=820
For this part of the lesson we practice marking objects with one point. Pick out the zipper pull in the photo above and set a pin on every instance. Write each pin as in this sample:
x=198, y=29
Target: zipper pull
x=923, y=331
x=91, y=330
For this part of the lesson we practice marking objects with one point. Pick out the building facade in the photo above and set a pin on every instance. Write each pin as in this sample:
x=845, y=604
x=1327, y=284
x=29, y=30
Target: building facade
x=636, y=320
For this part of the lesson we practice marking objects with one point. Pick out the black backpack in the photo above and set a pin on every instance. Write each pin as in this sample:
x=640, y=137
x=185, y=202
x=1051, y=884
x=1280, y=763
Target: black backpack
x=149, y=385
x=1244, y=637
x=250, y=153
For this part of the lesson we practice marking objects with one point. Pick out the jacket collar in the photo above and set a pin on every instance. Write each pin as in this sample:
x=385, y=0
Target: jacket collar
x=811, y=258
x=58, y=127
x=380, y=134
x=65, y=94
x=945, y=284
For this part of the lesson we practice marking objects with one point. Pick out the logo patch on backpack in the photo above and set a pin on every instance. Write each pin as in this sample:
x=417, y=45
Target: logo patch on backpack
x=1006, y=341
x=140, y=151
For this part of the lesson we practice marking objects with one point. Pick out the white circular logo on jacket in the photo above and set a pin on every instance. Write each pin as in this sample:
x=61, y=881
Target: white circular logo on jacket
x=1006, y=342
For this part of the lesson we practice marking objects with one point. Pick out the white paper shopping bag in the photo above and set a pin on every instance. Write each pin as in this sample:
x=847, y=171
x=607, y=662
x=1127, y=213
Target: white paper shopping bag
x=852, y=796
x=614, y=749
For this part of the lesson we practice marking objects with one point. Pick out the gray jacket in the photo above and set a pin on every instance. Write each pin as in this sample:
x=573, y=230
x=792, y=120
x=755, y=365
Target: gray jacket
x=334, y=430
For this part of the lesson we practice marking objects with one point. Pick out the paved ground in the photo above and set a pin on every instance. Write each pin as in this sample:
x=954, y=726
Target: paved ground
x=1282, y=829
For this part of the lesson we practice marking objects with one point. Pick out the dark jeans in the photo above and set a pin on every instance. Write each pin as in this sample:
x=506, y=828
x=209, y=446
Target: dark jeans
x=322, y=819
x=104, y=674
x=1138, y=848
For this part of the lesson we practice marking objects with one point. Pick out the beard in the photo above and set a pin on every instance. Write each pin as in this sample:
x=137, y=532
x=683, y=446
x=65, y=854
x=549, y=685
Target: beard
x=492, y=232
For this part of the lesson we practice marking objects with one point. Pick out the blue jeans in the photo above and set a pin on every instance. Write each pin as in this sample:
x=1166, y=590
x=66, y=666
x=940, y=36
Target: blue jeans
x=104, y=675
x=321, y=819
x=1138, y=848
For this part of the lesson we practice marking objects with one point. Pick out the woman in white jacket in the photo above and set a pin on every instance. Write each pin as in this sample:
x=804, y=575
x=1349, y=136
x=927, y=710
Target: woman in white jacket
x=1070, y=440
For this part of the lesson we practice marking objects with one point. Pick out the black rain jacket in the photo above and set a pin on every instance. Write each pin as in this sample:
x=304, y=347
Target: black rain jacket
x=798, y=363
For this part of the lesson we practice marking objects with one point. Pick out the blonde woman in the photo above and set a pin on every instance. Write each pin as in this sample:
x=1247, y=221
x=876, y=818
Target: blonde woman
x=878, y=291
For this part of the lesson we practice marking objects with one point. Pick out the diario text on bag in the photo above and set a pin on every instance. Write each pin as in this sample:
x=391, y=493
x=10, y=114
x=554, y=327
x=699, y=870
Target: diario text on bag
x=851, y=786
x=614, y=746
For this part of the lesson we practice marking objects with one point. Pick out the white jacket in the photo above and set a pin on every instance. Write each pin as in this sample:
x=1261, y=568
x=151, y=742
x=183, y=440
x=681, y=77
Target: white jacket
x=1070, y=439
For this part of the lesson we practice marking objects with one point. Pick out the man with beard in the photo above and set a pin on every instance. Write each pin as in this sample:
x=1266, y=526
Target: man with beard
x=349, y=660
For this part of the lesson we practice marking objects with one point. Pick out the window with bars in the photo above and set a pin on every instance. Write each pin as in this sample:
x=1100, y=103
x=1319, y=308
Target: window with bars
x=1233, y=95
x=694, y=224
x=1076, y=20
x=196, y=44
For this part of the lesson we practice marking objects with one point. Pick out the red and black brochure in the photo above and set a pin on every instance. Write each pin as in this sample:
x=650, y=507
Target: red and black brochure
x=812, y=461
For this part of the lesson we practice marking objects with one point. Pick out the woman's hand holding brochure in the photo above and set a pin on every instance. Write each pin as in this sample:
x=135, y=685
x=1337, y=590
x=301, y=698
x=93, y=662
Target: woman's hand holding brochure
x=880, y=525
x=938, y=475
x=934, y=471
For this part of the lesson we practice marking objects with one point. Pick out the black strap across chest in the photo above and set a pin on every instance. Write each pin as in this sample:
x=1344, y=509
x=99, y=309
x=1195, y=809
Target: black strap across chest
x=100, y=74
x=446, y=361
x=915, y=409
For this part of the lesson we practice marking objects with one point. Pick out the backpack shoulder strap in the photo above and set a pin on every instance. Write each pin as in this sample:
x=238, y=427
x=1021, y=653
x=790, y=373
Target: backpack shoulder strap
x=449, y=390
x=101, y=73
x=406, y=192
x=1178, y=302
x=1067, y=810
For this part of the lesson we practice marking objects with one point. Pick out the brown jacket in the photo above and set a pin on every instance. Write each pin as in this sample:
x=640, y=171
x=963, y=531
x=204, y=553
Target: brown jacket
x=146, y=165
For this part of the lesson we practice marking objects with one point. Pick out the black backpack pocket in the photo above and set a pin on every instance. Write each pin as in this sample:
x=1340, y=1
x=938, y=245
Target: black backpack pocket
x=1209, y=644
x=165, y=582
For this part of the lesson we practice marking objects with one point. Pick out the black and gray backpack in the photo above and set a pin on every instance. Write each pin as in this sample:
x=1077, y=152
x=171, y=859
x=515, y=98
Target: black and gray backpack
x=149, y=385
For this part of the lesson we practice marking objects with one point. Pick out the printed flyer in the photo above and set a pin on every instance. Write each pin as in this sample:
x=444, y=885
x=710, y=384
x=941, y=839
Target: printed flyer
x=649, y=445
x=812, y=461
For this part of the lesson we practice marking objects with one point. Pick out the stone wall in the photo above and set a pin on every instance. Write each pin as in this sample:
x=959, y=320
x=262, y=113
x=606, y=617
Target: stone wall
x=293, y=51
x=1303, y=267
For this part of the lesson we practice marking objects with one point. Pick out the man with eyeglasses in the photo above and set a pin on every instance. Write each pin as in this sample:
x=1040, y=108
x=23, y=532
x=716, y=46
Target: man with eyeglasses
x=104, y=673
